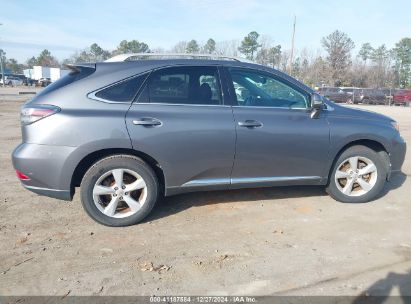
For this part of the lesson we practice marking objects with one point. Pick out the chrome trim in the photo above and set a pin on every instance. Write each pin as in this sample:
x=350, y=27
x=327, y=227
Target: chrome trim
x=45, y=189
x=179, y=104
x=258, y=107
x=93, y=96
x=207, y=182
x=246, y=180
x=126, y=57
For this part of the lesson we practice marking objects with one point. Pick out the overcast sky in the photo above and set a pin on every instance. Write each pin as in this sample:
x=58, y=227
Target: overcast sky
x=66, y=26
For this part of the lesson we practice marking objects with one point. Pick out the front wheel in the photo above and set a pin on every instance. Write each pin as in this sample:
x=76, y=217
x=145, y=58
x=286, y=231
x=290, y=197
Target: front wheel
x=358, y=175
x=119, y=190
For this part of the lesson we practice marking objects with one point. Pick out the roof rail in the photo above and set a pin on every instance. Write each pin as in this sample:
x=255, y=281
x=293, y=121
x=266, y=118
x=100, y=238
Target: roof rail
x=145, y=56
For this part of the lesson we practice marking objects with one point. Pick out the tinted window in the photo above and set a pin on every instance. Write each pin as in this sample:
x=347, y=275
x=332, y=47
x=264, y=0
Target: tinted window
x=183, y=85
x=123, y=91
x=257, y=89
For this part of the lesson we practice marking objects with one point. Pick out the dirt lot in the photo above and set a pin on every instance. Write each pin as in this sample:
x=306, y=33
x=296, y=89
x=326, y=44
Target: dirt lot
x=288, y=240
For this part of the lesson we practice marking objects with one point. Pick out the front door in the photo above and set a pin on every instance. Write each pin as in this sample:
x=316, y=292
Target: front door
x=277, y=140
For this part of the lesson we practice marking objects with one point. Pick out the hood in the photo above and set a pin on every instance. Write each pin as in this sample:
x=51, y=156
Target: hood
x=358, y=113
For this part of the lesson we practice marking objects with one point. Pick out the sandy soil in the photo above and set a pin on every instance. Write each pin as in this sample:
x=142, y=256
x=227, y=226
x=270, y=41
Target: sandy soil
x=288, y=240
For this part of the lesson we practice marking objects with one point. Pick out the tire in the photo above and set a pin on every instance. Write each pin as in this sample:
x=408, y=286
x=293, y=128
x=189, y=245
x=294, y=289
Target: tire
x=366, y=156
x=101, y=190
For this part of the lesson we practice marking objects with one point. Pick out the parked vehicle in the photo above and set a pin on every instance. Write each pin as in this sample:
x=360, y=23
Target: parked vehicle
x=402, y=98
x=29, y=82
x=353, y=95
x=129, y=132
x=43, y=82
x=373, y=96
x=335, y=94
x=11, y=81
x=389, y=94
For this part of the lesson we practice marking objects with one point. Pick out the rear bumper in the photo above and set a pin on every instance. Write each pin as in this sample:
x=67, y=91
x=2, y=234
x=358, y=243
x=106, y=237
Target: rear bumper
x=45, y=166
x=59, y=194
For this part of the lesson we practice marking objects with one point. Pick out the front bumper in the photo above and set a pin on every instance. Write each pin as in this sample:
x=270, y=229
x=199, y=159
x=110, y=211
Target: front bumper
x=46, y=167
x=397, y=153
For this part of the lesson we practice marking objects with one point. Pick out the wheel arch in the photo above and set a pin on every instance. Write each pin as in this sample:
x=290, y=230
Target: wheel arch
x=369, y=143
x=95, y=156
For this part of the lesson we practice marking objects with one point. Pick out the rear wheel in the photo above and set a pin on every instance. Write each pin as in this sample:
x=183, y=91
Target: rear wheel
x=358, y=176
x=119, y=190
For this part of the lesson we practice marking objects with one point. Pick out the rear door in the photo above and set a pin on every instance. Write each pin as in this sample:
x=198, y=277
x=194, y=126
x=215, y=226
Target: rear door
x=181, y=121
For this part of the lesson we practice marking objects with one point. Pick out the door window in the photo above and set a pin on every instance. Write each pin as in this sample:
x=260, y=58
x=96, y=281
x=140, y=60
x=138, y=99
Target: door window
x=257, y=89
x=183, y=85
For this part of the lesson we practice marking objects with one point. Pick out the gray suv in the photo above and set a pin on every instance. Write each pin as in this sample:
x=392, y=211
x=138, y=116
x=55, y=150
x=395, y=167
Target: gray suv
x=139, y=127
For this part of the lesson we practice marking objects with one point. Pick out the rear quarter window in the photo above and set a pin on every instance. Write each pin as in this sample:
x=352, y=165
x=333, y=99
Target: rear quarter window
x=67, y=79
x=123, y=91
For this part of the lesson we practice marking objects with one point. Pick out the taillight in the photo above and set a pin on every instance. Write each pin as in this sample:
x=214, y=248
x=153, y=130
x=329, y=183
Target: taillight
x=28, y=114
x=22, y=176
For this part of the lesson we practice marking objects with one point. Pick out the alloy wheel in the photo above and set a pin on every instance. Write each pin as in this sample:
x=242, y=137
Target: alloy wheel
x=119, y=193
x=356, y=176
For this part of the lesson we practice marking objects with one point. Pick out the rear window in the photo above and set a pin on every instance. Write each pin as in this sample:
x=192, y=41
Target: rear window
x=124, y=91
x=67, y=79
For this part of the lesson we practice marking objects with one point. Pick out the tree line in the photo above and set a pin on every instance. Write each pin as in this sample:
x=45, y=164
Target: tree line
x=334, y=64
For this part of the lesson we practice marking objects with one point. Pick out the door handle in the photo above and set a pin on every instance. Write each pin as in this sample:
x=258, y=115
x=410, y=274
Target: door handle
x=146, y=121
x=250, y=124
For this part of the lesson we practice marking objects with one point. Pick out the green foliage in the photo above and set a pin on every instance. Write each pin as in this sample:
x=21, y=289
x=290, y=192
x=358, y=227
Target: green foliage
x=209, y=47
x=338, y=46
x=46, y=59
x=365, y=51
x=14, y=66
x=192, y=47
x=93, y=53
x=98, y=53
x=402, y=56
x=132, y=46
x=249, y=45
x=31, y=62
x=381, y=66
x=269, y=56
x=380, y=54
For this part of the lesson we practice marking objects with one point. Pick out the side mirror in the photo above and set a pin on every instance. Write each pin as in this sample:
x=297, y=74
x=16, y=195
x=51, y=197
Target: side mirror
x=316, y=105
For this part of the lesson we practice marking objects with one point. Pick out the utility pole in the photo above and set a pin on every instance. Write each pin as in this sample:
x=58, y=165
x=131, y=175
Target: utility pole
x=2, y=69
x=292, y=46
x=1, y=66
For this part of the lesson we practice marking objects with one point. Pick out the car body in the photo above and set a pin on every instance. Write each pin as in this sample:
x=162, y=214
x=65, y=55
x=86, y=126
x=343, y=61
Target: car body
x=389, y=94
x=29, y=81
x=43, y=82
x=354, y=94
x=402, y=97
x=12, y=81
x=373, y=96
x=182, y=125
x=335, y=94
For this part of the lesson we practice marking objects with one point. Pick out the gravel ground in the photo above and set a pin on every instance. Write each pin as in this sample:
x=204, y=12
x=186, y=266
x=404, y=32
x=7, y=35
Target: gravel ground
x=286, y=240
